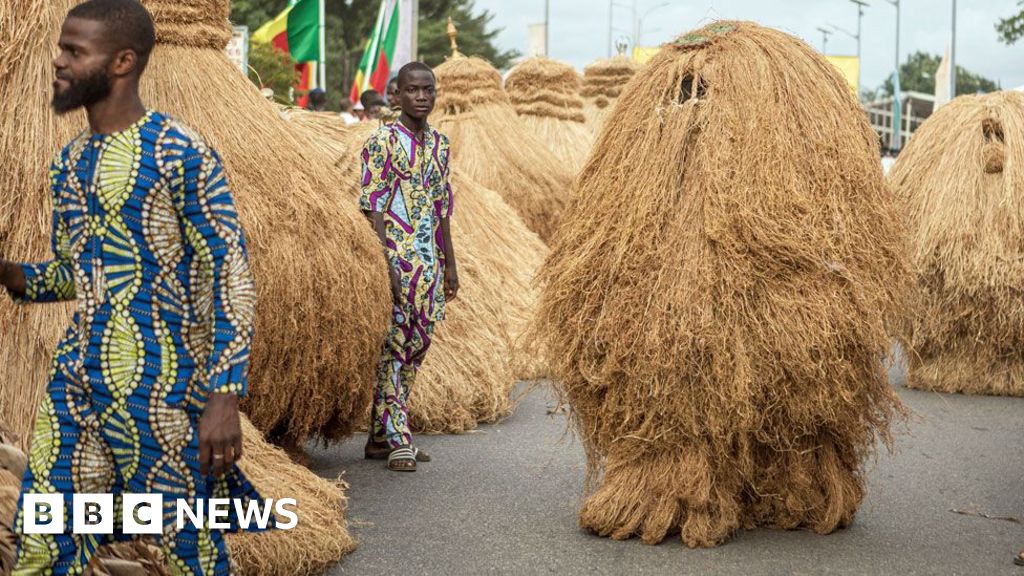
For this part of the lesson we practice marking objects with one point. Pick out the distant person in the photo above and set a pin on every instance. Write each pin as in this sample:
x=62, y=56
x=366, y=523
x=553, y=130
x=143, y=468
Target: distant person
x=392, y=92
x=346, y=112
x=317, y=100
x=359, y=111
x=406, y=192
x=371, y=101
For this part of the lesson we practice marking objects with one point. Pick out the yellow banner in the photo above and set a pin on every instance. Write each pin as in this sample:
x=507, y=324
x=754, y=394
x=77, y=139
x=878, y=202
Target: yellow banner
x=642, y=54
x=849, y=68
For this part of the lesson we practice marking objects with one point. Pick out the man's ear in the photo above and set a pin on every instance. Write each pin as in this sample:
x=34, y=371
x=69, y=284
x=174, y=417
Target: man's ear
x=125, y=63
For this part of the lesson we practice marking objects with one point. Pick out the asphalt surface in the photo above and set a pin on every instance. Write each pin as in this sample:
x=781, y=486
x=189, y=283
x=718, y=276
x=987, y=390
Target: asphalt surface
x=503, y=500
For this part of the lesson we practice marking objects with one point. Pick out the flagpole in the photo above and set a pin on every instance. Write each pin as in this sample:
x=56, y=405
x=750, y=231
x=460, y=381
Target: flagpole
x=323, y=47
x=415, y=30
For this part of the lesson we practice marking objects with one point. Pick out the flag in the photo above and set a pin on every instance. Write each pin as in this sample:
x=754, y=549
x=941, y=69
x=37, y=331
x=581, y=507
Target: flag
x=942, y=81
x=296, y=32
x=388, y=49
x=897, y=112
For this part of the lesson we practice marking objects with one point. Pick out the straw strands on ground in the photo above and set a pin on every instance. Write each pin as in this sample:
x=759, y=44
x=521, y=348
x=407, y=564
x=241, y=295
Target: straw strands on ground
x=491, y=145
x=320, y=509
x=960, y=182
x=603, y=81
x=477, y=353
x=319, y=273
x=715, y=305
x=546, y=95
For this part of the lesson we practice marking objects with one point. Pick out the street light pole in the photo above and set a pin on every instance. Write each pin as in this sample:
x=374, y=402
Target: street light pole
x=860, y=17
x=640, y=22
x=547, y=27
x=825, y=33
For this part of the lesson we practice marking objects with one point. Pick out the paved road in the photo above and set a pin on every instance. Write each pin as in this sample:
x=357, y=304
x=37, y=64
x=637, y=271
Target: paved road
x=503, y=501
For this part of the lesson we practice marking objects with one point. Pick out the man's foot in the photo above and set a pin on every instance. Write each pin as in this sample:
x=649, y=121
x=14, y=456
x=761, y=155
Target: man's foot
x=402, y=460
x=1019, y=558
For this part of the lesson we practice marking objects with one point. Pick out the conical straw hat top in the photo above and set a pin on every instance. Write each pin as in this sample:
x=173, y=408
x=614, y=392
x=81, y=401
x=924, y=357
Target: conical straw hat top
x=193, y=23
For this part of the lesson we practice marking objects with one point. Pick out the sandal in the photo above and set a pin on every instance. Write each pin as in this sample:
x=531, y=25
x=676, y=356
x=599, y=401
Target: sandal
x=380, y=451
x=402, y=460
x=1019, y=558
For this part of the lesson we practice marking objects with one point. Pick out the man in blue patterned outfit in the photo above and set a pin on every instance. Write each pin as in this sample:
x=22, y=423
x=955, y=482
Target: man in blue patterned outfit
x=144, y=391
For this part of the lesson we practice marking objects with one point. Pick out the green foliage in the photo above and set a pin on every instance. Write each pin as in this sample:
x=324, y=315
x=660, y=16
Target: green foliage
x=350, y=22
x=917, y=74
x=1011, y=29
x=272, y=69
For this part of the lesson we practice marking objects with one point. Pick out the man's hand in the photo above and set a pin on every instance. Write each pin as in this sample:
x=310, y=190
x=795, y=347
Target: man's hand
x=451, y=284
x=12, y=277
x=220, y=435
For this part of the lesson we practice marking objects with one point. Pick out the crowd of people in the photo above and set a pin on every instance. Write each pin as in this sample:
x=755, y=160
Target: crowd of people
x=370, y=107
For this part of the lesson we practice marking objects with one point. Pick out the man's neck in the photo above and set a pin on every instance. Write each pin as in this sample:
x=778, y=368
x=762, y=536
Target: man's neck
x=117, y=112
x=416, y=126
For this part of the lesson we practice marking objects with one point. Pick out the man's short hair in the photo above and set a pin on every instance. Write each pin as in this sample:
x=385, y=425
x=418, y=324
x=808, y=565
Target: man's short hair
x=128, y=24
x=369, y=98
x=413, y=67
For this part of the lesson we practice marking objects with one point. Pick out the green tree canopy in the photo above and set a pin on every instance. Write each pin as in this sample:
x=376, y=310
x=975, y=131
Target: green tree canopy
x=918, y=74
x=1011, y=29
x=350, y=22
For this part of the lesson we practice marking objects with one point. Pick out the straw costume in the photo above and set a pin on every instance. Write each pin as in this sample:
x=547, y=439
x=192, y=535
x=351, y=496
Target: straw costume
x=960, y=183
x=716, y=317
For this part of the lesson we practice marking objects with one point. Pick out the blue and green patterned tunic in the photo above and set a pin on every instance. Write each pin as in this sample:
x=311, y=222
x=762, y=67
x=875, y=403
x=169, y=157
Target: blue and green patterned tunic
x=146, y=238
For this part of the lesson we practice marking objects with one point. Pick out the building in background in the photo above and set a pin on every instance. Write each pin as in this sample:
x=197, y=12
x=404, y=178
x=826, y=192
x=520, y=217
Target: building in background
x=916, y=108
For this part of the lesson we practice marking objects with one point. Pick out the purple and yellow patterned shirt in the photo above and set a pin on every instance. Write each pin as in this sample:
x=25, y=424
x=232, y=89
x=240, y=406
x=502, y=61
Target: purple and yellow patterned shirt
x=408, y=182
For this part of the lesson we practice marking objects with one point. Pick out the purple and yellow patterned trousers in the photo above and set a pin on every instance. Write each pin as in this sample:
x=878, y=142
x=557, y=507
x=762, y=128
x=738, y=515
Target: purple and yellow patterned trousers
x=407, y=343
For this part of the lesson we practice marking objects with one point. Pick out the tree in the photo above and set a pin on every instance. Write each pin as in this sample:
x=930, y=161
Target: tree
x=270, y=68
x=350, y=22
x=1011, y=29
x=917, y=74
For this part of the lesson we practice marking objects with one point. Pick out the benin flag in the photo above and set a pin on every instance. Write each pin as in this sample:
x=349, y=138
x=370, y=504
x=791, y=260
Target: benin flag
x=296, y=32
x=388, y=49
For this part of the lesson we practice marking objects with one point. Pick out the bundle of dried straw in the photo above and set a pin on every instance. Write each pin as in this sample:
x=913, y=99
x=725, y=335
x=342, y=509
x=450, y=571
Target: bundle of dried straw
x=603, y=81
x=715, y=305
x=960, y=182
x=546, y=95
x=491, y=145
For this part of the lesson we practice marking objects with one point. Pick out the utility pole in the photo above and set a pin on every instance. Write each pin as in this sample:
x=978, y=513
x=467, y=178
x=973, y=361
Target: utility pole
x=825, y=33
x=861, y=4
x=547, y=27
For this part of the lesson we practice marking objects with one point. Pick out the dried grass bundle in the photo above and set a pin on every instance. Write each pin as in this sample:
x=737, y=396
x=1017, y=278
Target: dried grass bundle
x=319, y=539
x=715, y=304
x=546, y=95
x=960, y=182
x=491, y=145
x=322, y=282
x=603, y=81
x=475, y=358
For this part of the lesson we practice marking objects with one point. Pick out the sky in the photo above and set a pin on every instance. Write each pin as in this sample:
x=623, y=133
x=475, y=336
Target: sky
x=579, y=28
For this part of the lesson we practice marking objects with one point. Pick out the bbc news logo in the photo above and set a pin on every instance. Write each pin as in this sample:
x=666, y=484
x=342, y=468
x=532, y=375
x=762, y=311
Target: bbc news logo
x=143, y=513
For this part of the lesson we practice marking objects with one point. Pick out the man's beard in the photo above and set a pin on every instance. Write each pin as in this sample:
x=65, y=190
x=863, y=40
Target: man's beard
x=86, y=91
